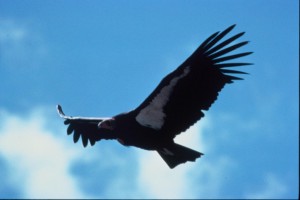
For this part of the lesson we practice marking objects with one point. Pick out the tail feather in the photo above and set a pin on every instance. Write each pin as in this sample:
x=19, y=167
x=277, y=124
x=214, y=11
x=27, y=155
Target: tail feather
x=176, y=154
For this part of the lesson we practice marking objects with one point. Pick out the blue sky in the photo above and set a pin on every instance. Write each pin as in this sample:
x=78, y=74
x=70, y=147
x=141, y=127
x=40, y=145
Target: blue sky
x=99, y=58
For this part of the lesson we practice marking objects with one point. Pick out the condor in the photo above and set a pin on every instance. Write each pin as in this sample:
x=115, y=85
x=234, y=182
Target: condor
x=175, y=105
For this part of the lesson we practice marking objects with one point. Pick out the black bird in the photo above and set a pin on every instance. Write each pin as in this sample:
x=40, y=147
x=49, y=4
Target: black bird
x=175, y=105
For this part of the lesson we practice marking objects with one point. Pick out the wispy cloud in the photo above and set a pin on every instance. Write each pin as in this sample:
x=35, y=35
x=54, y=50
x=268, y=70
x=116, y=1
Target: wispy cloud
x=202, y=179
x=158, y=181
x=10, y=32
x=20, y=46
x=39, y=161
x=273, y=188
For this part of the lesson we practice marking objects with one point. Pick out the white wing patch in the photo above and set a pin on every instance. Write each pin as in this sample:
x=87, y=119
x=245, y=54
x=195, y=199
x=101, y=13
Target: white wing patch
x=153, y=115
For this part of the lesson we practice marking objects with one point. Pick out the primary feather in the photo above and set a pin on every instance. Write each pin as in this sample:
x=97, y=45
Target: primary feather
x=199, y=88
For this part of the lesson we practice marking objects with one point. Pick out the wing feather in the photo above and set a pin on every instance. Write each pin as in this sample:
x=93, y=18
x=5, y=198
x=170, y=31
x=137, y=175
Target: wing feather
x=223, y=44
x=198, y=90
x=227, y=50
x=85, y=127
x=222, y=65
x=225, y=58
x=218, y=38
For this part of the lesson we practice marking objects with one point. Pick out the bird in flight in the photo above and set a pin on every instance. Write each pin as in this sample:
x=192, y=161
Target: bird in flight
x=176, y=103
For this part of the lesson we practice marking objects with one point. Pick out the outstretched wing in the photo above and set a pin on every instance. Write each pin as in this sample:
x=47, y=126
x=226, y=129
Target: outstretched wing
x=86, y=127
x=177, y=101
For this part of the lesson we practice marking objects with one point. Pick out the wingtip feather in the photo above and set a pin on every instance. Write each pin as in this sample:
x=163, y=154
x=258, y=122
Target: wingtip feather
x=226, y=58
x=231, y=78
x=232, y=71
x=84, y=140
x=59, y=110
x=217, y=38
x=70, y=129
x=223, y=65
x=230, y=28
x=76, y=136
x=92, y=142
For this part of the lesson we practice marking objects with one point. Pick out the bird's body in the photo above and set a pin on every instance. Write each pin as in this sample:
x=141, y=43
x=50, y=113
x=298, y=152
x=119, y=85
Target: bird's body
x=175, y=105
x=131, y=133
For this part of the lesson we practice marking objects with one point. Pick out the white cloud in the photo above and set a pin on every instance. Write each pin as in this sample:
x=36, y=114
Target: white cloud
x=158, y=180
x=273, y=188
x=202, y=179
x=39, y=161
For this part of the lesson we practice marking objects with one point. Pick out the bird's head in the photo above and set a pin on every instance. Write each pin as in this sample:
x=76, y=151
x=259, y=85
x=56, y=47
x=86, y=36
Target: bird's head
x=108, y=124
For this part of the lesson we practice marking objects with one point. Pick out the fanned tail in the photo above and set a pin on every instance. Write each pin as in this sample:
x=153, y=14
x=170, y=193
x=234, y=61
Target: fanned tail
x=176, y=154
